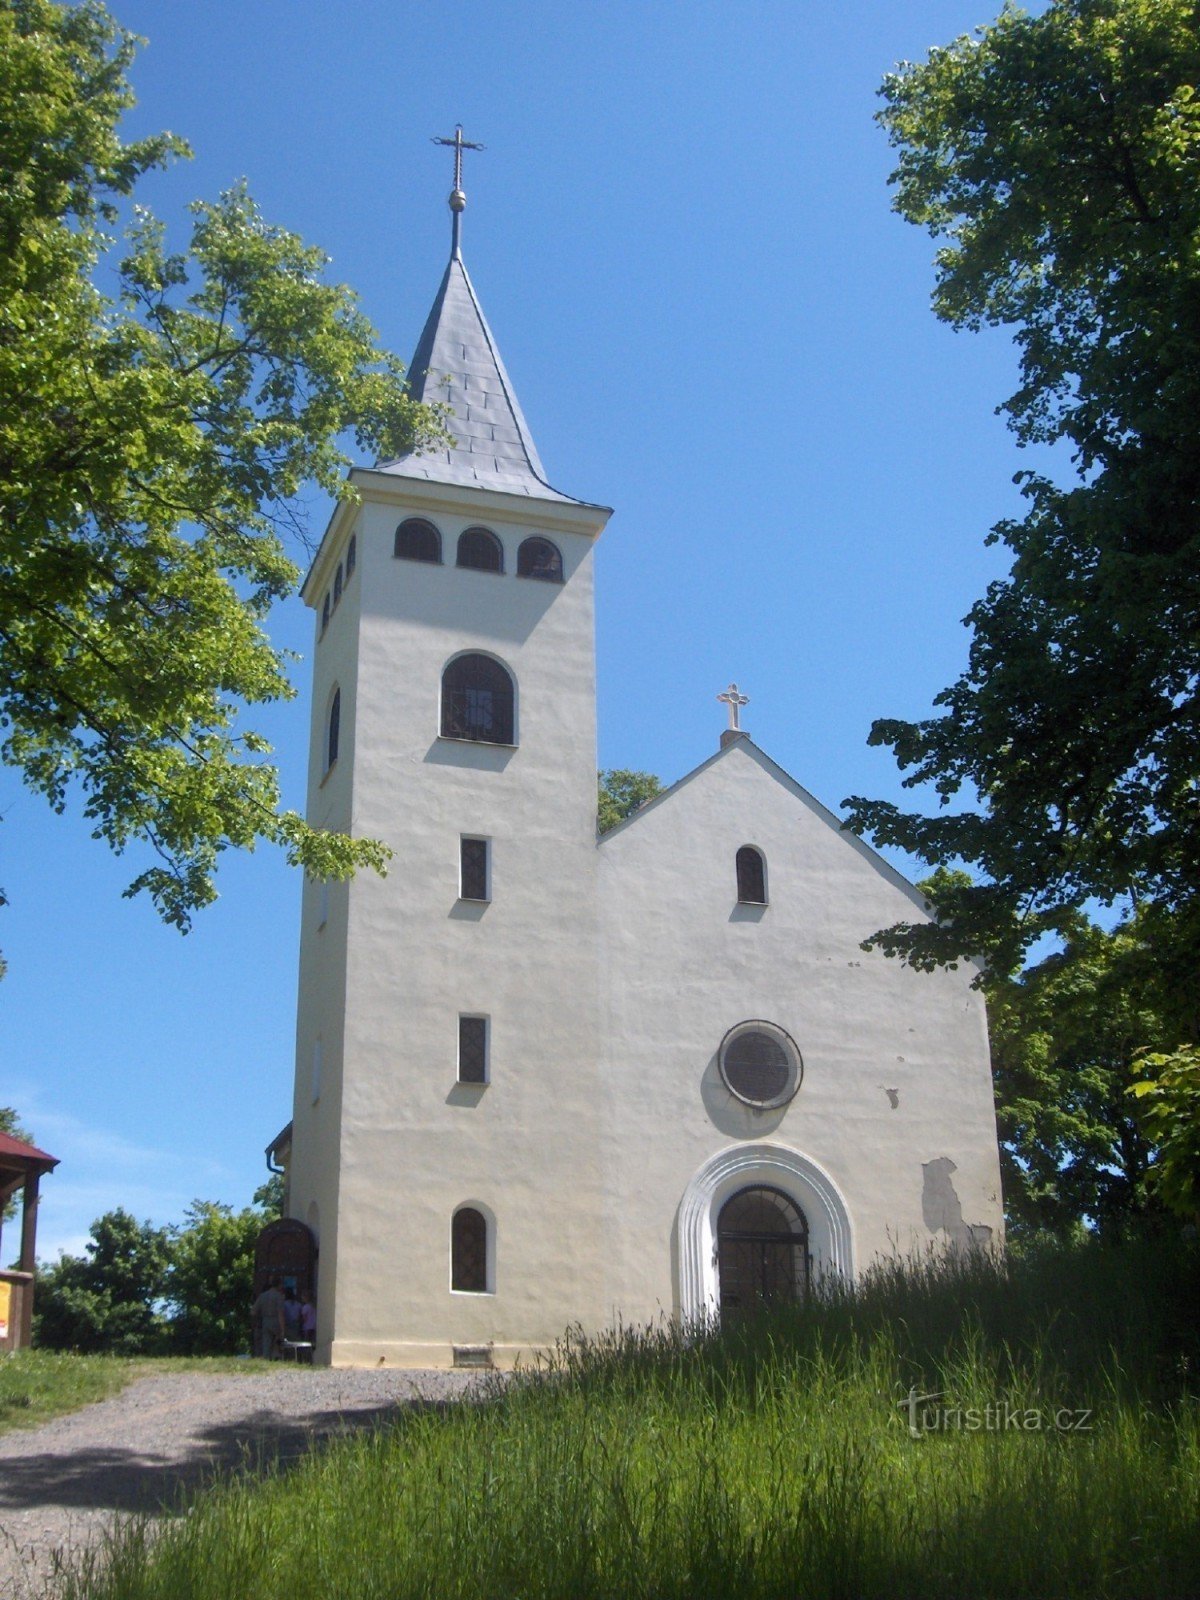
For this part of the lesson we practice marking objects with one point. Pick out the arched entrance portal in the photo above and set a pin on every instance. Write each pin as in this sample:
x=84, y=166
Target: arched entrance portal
x=762, y=1250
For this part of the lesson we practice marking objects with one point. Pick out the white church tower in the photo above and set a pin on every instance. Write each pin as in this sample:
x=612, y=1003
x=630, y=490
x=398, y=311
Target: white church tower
x=545, y=1079
x=445, y=1008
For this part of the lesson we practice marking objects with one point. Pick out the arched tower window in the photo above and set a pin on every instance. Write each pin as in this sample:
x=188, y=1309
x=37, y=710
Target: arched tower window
x=538, y=558
x=418, y=540
x=751, y=876
x=333, y=729
x=762, y=1249
x=479, y=548
x=337, y=584
x=351, y=554
x=468, y=1251
x=477, y=700
x=325, y=610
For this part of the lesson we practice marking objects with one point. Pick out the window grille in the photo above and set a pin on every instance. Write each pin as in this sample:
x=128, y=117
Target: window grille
x=538, y=558
x=760, y=1064
x=477, y=700
x=751, y=876
x=473, y=870
x=472, y=1050
x=418, y=540
x=479, y=548
x=468, y=1251
x=762, y=1250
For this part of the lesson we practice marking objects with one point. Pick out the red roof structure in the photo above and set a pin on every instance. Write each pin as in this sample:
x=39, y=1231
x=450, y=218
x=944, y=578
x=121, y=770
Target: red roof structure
x=21, y=1150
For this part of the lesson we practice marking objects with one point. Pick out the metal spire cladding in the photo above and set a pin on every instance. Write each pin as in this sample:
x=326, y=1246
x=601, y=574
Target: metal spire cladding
x=457, y=362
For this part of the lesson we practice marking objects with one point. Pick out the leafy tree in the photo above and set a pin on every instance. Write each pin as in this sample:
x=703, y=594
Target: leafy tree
x=10, y=1123
x=621, y=792
x=1064, y=1038
x=268, y=1197
x=151, y=445
x=210, y=1282
x=1057, y=160
x=1168, y=1098
x=110, y=1298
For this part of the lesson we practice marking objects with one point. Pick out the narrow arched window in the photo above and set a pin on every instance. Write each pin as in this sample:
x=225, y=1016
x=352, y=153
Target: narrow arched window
x=477, y=700
x=325, y=610
x=468, y=1251
x=351, y=555
x=538, y=558
x=418, y=540
x=334, y=729
x=337, y=585
x=751, y=876
x=479, y=548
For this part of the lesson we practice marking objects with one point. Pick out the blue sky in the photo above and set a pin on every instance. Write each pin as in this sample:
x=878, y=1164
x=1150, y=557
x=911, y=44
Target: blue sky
x=681, y=233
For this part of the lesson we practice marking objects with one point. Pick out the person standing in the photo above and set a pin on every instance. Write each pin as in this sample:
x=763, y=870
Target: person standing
x=266, y=1316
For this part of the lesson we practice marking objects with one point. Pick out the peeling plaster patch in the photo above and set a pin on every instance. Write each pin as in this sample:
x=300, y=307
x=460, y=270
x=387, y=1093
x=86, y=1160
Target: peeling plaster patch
x=893, y=1097
x=942, y=1209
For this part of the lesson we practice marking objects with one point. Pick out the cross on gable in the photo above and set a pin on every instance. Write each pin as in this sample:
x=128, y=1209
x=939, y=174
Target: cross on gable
x=735, y=702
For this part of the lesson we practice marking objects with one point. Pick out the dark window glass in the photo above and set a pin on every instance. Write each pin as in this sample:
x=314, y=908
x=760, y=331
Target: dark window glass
x=352, y=554
x=480, y=548
x=477, y=700
x=337, y=586
x=335, y=720
x=473, y=870
x=325, y=613
x=757, y=1066
x=418, y=540
x=538, y=558
x=751, y=876
x=468, y=1251
x=472, y=1049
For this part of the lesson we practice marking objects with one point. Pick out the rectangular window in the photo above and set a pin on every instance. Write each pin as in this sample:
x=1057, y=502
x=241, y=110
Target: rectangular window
x=472, y=1050
x=474, y=876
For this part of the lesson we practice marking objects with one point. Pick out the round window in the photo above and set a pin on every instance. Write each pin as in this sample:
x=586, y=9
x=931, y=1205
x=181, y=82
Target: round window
x=760, y=1064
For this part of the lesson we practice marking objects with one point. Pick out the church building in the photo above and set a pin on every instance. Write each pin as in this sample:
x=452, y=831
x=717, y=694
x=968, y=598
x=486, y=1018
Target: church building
x=547, y=1078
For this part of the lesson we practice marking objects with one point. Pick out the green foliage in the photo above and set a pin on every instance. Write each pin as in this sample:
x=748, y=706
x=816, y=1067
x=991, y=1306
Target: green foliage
x=1168, y=1101
x=1056, y=158
x=1064, y=1038
x=142, y=1290
x=268, y=1197
x=210, y=1282
x=621, y=792
x=110, y=1298
x=151, y=445
x=768, y=1460
x=10, y=1123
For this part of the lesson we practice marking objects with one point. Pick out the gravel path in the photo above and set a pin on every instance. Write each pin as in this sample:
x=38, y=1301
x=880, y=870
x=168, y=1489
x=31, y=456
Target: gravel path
x=162, y=1438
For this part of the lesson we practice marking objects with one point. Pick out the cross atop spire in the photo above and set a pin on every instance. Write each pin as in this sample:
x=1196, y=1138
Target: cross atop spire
x=458, y=198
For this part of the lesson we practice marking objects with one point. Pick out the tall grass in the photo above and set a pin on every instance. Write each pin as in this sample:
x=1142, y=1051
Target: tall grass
x=770, y=1459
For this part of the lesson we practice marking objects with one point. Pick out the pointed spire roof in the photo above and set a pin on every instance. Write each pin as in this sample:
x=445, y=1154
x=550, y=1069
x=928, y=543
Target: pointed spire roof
x=457, y=362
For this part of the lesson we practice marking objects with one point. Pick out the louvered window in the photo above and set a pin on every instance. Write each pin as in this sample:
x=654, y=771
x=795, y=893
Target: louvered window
x=538, y=558
x=479, y=548
x=473, y=870
x=472, y=1050
x=418, y=540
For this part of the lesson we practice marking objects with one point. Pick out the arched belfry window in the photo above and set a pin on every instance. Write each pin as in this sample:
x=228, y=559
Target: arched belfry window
x=418, y=540
x=333, y=729
x=538, y=558
x=477, y=700
x=479, y=548
x=751, y=876
x=468, y=1251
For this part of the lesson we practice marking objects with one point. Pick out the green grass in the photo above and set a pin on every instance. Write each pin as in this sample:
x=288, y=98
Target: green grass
x=36, y=1385
x=770, y=1460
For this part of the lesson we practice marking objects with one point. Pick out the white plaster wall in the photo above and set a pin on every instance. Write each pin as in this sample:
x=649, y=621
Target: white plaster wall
x=682, y=962
x=413, y=1144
